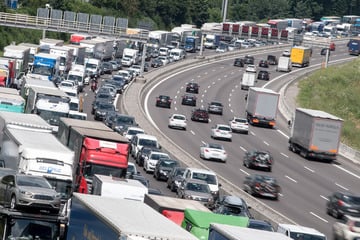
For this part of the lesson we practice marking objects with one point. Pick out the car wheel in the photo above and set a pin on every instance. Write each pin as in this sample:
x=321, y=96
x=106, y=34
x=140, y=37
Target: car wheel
x=172, y=187
x=13, y=202
x=269, y=169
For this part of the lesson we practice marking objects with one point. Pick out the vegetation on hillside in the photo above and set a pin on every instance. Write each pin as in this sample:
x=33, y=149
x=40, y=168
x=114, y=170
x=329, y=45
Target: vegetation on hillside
x=336, y=90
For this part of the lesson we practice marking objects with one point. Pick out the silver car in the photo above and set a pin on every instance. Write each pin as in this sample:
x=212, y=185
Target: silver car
x=20, y=190
x=195, y=189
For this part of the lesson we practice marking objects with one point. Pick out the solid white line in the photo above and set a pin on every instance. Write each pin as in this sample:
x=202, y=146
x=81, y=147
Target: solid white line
x=203, y=142
x=323, y=197
x=290, y=178
x=245, y=172
x=322, y=219
x=282, y=133
x=309, y=169
x=347, y=171
x=192, y=132
x=284, y=155
x=242, y=148
x=341, y=186
x=266, y=143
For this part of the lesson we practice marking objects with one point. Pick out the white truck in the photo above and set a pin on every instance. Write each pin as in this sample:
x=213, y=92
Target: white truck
x=262, y=106
x=132, y=55
x=229, y=232
x=50, y=104
x=112, y=218
x=66, y=57
x=77, y=74
x=300, y=232
x=34, y=49
x=284, y=64
x=34, y=81
x=79, y=53
x=11, y=101
x=108, y=186
x=248, y=80
x=92, y=67
x=158, y=38
x=315, y=134
x=28, y=146
x=21, y=55
x=99, y=48
x=46, y=43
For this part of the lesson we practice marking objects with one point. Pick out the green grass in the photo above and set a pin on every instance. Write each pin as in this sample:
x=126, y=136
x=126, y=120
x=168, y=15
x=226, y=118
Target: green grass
x=336, y=90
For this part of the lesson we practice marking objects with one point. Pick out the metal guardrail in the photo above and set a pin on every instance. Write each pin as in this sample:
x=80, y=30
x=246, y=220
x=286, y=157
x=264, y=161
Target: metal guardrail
x=62, y=25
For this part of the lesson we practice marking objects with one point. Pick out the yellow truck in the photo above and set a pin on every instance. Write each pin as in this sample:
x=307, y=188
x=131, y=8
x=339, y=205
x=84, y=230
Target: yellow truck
x=300, y=56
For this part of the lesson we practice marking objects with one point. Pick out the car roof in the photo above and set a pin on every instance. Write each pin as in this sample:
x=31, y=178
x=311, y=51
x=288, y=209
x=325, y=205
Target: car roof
x=301, y=229
x=201, y=170
x=222, y=125
x=146, y=136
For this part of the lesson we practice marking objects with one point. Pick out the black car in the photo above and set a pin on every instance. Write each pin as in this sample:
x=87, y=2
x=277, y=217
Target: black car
x=272, y=60
x=262, y=185
x=119, y=122
x=95, y=104
x=140, y=178
x=249, y=60
x=188, y=99
x=156, y=63
x=232, y=205
x=258, y=159
x=200, y=115
x=146, y=66
x=143, y=153
x=106, y=67
x=102, y=109
x=175, y=177
x=118, y=84
x=163, y=101
x=260, y=225
x=239, y=62
x=163, y=168
x=263, y=75
x=341, y=203
x=104, y=96
x=192, y=87
x=215, y=107
x=263, y=63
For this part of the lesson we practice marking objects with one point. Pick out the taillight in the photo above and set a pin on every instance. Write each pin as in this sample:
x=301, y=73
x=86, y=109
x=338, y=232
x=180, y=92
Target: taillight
x=206, y=150
x=340, y=203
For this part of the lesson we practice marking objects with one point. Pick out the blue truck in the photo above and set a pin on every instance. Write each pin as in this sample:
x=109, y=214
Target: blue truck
x=354, y=46
x=192, y=43
x=99, y=217
x=46, y=65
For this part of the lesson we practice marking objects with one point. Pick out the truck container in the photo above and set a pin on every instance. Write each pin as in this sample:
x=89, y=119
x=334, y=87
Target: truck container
x=32, y=80
x=228, y=232
x=212, y=41
x=21, y=55
x=109, y=186
x=11, y=101
x=66, y=55
x=46, y=156
x=284, y=64
x=198, y=222
x=111, y=218
x=248, y=80
x=157, y=38
x=173, y=208
x=300, y=56
x=132, y=54
x=99, y=48
x=192, y=43
x=97, y=151
x=354, y=46
x=315, y=134
x=262, y=106
x=50, y=104
x=27, y=225
x=46, y=43
x=7, y=72
x=79, y=53
x=46, y=65
x=183, y=31
x=34, y=49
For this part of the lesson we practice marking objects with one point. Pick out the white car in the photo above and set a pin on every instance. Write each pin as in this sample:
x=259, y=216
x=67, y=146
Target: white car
x=251, y=68
x=286, y=53
x=136, y=68
x=151, y=161
x=221, y=131
x=164, y=59
x=125, y=61
x=132, y=131
x=125, y=74
x=347, y=228
x=240, y=125
x=213, y=151
x=177, y=121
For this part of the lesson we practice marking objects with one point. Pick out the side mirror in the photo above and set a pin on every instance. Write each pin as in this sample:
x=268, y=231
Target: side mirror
x=220, y=185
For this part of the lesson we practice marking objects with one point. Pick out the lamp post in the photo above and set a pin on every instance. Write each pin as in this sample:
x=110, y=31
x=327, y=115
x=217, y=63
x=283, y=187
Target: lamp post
x=47, y=6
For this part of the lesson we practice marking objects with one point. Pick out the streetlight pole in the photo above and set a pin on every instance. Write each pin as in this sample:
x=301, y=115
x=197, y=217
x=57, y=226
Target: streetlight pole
x=224, y=10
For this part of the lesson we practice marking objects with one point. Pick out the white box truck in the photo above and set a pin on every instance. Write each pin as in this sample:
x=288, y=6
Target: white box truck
x=315, y=134
x=110, y=218
x=66, y=55
x=229, y=232
x=262, y=106
x=132, y=55
x=120, y=188
x=284, y=64
x=248, y=80
x=300, y=232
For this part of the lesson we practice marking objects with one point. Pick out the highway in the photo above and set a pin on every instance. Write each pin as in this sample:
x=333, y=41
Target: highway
x=305, y=184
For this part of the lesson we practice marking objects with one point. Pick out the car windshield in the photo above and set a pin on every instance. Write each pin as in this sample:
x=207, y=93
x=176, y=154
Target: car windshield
x=179, y=117
x=23, y=180
x=204, y=188
x=233, y=210
x=209, y=178
x=260, y=226
x=239, y=120
x=157, y=156
x=91, y=169
x=216, y=104
x=224, y=128
x=215, y=146
x=148, y=143
x=179, y=172
x=134, y=132
x=131, y=169
x=106, y=106
x=124, y=120
x=168, y=163
x=352, y=199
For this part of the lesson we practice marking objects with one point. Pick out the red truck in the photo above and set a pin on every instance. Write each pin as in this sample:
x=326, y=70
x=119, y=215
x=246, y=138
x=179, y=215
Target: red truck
x=98, y=150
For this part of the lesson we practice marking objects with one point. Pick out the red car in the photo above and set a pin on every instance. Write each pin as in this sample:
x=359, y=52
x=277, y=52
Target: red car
x=163, y=101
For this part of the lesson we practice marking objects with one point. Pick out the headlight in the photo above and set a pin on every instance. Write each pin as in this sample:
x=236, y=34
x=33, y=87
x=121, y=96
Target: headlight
x=177, y=183
x=188, y=196
x=163, y=172
x=28, y=194
x=214, y=192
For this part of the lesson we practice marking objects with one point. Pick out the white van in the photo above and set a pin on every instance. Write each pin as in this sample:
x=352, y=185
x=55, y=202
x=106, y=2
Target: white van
x=205, y=175
x=143, y=140
x=284, y=64
x=164, y=51
x=300, y=232
x=177, y=54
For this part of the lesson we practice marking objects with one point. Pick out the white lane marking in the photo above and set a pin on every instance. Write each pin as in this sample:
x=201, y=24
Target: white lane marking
x=252, y=133
x=205, y=91
x=284, y=155
x=192, y=132
x=203, y=142
x=280, y=194
x=209, y=120
x=175, y=108
x=233, y=90
x=347, y=171
x=341, y=186
x=178, y=91
x=290, y=178
x=311, y=170
x=323, y=197
x=230, y=94
x=267, y=144
x=322, y=219
x=236, y=86
x=174, y=102
x=181, y=87
x=229, y=99
x=282, y=133
x=199, y=76
x=213, y=83
x=209, y=86
x=202, y=100
x=202, y=95
x=246, y=173
x=205, y=73
x=225, y=76
x=242, y=148
x=219, y=79
x=175, y=96
x=231, y=110
x=229, y=104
